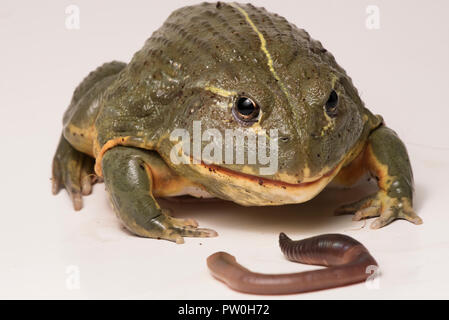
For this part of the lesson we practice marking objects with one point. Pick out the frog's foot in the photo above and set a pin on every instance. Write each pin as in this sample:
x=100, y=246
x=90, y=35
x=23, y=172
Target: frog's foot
x=382, y=206
x=174, y=229
x=73, y=171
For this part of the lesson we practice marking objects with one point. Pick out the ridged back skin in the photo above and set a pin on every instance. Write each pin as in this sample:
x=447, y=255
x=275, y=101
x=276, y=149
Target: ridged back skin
x=206, y=37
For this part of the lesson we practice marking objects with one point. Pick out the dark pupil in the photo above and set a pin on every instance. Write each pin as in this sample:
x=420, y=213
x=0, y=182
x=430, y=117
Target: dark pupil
x=332, y=101
x=245, y=106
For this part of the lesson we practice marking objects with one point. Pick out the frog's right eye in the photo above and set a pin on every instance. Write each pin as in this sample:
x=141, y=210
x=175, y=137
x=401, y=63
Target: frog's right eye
x=332, y=104
x=245, y=110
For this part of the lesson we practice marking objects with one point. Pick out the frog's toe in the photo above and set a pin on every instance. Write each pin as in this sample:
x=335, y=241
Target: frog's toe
x=184, y=222
x=197, y=232
x=189, y=228
x=380, y=205
x=177, y=234
x=176, y=229
x=392, y=213
x=56, y=179
x=67, y=176
x=364, y=213
x=358, y=207
x=411, y=216
x=73, y=187
x=73, y=171
x=88, y=177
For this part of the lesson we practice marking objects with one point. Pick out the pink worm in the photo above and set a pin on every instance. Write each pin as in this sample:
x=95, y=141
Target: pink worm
x=346, y=258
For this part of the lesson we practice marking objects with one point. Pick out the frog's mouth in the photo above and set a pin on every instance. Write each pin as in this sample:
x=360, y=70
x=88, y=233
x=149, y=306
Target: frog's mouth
x=251, y=190
x=214, y=169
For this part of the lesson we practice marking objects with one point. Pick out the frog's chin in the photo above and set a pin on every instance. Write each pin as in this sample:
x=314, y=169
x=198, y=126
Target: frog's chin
x=251, y=190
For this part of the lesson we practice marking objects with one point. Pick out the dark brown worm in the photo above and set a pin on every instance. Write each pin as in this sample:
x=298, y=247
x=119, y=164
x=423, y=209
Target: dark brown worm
x=346, y=258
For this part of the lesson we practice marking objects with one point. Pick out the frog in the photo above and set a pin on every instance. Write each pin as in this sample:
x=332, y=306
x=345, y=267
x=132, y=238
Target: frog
x=229, y=66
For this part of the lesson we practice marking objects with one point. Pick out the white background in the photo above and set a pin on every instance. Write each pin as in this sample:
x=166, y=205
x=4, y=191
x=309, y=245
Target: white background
x=401, y=71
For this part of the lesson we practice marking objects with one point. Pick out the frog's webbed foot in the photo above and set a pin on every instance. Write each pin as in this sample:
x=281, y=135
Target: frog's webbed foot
x=73, y=171
x=174, y=229
x=382, y=206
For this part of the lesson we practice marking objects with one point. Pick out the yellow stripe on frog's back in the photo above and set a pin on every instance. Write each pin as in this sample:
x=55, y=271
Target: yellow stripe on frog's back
x=220, y=92
x=263, y=47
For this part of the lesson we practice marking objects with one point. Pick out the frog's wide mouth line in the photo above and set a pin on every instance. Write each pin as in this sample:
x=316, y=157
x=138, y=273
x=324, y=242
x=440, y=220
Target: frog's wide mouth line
x=269, y=182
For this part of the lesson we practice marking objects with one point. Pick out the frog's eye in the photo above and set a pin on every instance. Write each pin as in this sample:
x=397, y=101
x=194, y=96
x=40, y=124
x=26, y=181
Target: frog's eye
x=331, y=104
x=245, y=110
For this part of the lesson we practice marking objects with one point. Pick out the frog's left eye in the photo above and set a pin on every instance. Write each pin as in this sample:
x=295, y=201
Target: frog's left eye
x=245, y=110
x=332, y=104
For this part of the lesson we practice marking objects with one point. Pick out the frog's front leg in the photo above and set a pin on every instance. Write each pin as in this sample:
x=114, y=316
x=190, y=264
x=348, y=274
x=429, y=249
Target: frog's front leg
x=128, y=178
x=387, y=160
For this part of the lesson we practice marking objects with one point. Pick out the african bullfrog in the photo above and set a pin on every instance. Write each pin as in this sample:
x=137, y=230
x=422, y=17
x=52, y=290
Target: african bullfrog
x=226, y=66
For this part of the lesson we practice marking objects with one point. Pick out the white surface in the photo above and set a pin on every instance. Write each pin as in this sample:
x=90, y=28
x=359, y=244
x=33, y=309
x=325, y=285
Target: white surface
x=401, y=71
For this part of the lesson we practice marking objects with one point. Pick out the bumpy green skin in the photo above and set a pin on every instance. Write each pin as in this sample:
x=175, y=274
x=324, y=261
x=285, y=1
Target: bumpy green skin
x=237, y=49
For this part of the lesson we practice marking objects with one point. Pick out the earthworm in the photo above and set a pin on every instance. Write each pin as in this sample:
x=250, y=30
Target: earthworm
x=346, y=258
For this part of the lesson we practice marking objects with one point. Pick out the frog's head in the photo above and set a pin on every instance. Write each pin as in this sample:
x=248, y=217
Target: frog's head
x=260, y=81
